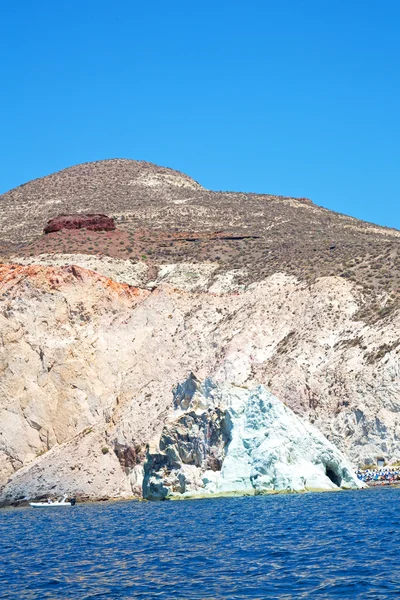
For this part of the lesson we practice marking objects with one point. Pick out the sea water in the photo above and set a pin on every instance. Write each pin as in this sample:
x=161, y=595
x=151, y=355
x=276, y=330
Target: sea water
x=327, y=545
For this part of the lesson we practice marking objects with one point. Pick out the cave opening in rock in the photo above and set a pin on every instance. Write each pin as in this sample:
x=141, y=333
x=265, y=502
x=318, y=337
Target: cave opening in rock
x=333, y=476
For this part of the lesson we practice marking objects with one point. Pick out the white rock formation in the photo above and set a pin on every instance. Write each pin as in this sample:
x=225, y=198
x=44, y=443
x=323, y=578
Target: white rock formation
x=232, y=440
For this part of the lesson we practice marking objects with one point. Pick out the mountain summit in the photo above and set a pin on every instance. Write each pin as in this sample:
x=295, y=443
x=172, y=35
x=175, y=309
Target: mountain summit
x=167, y=217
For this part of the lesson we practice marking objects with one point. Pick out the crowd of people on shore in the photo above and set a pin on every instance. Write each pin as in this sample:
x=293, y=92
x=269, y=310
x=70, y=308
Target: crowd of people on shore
x=380, y=475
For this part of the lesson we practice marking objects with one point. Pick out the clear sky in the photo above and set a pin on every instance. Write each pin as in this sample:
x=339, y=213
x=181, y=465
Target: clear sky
x=291, y=97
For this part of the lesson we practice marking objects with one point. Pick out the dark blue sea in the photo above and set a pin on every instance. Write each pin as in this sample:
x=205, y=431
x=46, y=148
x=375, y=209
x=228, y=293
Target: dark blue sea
x=332, y=545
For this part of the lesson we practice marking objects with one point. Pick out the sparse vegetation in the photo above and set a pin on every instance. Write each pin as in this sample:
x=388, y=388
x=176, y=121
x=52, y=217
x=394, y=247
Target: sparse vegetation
x=262, y=234
x=380, y=352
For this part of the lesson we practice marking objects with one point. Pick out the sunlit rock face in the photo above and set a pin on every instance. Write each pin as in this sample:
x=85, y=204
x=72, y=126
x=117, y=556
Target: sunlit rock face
x=231, y=440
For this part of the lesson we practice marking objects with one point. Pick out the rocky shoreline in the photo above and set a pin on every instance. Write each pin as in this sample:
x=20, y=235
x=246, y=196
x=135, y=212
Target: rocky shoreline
x=218, y=440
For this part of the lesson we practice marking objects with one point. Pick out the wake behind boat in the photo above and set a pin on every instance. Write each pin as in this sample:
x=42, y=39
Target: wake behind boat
x=63, y=502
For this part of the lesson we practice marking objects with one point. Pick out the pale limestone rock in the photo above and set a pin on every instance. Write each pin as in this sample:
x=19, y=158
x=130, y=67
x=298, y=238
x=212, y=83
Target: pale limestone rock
x=224, y=283
x=188, y=277
x=84, y=467
x=162, y=179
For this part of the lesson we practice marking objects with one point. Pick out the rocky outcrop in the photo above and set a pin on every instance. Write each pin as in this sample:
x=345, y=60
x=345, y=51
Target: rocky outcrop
x=232, y=440
x=92, y=222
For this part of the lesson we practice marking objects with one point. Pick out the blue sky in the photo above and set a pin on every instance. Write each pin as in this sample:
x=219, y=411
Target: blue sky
x=289, y=97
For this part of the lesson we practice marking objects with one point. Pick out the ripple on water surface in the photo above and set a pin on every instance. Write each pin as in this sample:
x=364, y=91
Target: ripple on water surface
x=343, y=545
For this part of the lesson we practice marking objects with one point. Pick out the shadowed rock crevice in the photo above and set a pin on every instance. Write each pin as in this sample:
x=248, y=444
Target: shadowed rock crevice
x=333, y=476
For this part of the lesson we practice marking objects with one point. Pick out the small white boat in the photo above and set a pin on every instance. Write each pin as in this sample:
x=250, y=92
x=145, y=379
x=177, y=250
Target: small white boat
x=52, y=503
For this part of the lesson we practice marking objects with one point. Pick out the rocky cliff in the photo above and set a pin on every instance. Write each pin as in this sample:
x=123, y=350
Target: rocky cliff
x=88, y=366
x=246, y=290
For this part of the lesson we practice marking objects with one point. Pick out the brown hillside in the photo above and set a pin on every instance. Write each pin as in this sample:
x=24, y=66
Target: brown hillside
x=164, y=216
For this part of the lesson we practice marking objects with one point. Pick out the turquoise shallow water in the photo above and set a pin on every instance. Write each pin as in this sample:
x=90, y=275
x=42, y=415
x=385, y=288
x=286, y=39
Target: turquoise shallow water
x=336, y=545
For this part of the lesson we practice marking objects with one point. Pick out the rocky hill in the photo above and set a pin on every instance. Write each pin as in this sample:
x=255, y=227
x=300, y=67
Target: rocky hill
x=166, y=217
x=246, y=289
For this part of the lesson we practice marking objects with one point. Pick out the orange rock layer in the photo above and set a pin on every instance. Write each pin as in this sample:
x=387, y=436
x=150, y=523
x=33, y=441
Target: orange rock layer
x=12, y=275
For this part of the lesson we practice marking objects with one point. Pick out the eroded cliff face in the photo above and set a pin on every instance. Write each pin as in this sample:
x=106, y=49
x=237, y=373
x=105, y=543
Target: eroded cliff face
x=88, y=365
